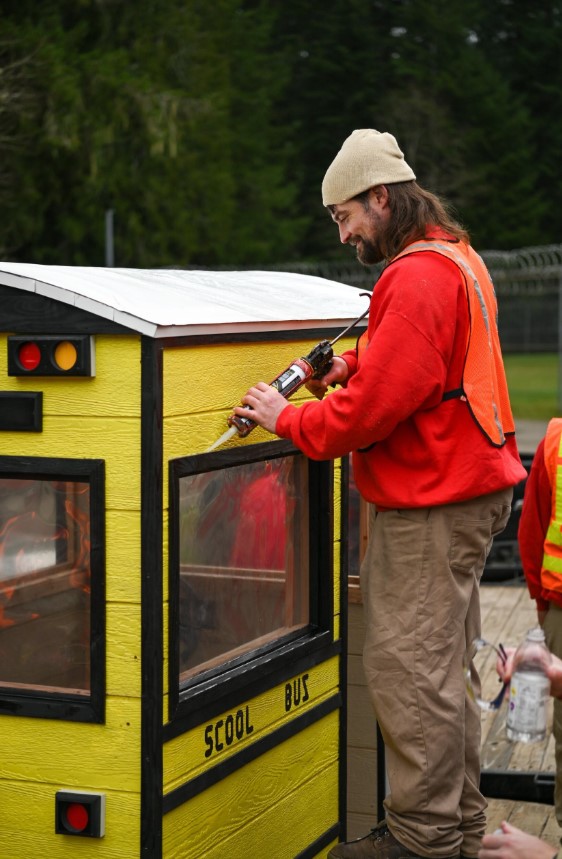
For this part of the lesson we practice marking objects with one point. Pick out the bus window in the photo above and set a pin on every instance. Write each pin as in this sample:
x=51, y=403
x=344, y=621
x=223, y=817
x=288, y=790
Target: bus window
x=48, y=573
x=243, y=548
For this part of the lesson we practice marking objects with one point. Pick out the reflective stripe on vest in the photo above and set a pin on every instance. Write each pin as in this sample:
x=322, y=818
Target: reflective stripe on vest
x=362, y=344
x=483, y=384
x=551, y=572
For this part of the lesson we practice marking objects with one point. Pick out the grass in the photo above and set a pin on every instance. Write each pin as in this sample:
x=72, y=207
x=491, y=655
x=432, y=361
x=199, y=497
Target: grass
x=533, y=385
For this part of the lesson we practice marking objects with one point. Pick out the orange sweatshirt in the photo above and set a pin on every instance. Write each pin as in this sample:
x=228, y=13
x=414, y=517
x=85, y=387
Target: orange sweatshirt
x=533, y=525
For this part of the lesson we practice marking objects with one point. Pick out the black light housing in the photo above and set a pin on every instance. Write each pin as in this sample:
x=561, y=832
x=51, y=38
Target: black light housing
x=51, y=355
x=80, y=813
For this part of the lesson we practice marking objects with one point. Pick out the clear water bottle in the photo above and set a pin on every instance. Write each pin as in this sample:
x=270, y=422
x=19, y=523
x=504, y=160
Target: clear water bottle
x=529, y=690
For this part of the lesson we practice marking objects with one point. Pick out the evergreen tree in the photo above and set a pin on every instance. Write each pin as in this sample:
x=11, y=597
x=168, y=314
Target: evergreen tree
x=333, y=50
x=522, y=38
x=207, y=128
x=161, y=112
x=466, y=134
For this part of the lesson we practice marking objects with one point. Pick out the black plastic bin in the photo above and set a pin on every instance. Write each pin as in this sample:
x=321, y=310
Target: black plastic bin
x=503, y=562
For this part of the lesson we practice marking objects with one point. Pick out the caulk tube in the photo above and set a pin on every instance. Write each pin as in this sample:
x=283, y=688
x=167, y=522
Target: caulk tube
x=287, y=383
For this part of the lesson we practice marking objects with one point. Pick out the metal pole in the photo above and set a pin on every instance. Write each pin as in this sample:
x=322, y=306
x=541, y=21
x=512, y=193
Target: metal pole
x=109, y=255
x=560, y=344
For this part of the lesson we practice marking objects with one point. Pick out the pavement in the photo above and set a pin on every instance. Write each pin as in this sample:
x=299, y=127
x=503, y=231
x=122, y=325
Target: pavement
x=528, y=434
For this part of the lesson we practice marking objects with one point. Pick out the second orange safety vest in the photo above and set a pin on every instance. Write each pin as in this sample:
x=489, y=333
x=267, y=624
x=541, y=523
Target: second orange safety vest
x=551, y=572
x=484, y=385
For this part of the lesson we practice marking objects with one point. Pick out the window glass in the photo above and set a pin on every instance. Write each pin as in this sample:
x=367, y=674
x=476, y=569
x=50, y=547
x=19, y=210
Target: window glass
x=45, y=585
x=244, y=559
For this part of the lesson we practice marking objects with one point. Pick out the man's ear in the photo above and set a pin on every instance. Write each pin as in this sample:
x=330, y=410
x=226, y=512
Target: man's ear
x=378, y=195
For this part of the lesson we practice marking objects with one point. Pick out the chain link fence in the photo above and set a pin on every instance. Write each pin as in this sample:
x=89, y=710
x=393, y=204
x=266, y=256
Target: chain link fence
x=528, y=284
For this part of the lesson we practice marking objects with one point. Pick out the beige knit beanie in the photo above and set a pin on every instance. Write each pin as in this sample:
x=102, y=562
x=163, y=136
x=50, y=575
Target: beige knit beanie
x=367, y=158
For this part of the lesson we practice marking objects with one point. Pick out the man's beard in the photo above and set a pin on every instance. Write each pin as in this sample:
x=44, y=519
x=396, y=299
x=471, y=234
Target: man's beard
x=369, y=251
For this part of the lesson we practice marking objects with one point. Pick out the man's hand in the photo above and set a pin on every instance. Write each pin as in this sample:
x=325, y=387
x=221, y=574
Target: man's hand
x=266, y=404
x=337, y=373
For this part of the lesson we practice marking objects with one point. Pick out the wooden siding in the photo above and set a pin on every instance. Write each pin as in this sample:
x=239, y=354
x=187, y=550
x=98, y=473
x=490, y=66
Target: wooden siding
x=275, y=806
x=96, y=418
x=361, y=733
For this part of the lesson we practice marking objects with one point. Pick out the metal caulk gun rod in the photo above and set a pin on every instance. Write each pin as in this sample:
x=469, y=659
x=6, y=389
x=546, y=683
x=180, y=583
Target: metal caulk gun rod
x=353, y=324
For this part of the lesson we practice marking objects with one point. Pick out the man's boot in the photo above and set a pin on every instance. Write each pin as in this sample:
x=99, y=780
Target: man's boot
x=380, y=843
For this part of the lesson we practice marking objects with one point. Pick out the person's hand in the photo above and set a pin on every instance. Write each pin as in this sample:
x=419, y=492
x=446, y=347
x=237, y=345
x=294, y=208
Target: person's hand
x=513, y=843
x=337, y=373
x=554, y=671
x=505, y=668
x=266, y=404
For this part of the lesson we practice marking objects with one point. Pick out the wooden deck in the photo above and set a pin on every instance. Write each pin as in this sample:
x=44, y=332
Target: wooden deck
x=507, y=614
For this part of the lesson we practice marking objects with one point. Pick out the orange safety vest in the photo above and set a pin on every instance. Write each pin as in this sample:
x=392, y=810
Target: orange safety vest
x=551, y=572
x=484, y=385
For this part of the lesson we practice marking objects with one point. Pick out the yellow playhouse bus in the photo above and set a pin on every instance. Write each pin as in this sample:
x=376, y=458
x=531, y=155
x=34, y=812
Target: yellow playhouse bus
x=171, y=674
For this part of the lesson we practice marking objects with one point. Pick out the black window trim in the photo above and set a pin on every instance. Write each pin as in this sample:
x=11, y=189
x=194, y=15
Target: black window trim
x=259, y=669
x=60, y=705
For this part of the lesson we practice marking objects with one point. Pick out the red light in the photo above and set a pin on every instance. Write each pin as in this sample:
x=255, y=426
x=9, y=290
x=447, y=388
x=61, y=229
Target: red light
x=80, y=813
x=29, y=356
x=77, y=816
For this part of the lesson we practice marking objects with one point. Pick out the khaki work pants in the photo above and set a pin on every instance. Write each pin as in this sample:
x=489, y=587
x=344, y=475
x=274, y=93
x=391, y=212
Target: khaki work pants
x=553, y=634
x=420, y=585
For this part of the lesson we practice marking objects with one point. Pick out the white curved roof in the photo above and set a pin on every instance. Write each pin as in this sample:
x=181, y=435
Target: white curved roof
x=170, y=302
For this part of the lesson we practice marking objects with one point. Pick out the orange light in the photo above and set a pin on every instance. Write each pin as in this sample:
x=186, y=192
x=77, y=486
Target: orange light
x=65, y=355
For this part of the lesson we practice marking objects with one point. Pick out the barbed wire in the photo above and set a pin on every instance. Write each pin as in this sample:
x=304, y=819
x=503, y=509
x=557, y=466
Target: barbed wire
x=529, y=271
x=540, y=257
x=524, y=271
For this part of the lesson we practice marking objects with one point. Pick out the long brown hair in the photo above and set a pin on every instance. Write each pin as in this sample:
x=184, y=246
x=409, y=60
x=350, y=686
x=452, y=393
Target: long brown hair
x=413, y=211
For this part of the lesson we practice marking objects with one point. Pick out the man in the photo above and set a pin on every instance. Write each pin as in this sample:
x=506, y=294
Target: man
x=423, y=405
x=540, y=547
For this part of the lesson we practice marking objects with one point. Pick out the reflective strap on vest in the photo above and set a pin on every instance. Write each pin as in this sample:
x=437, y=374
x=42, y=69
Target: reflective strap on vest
x=484, y=384
x=362, y=344
x=551, y=572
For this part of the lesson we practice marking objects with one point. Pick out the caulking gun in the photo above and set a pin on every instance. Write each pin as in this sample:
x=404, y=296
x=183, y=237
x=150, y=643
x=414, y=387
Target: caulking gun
x=315, y=365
